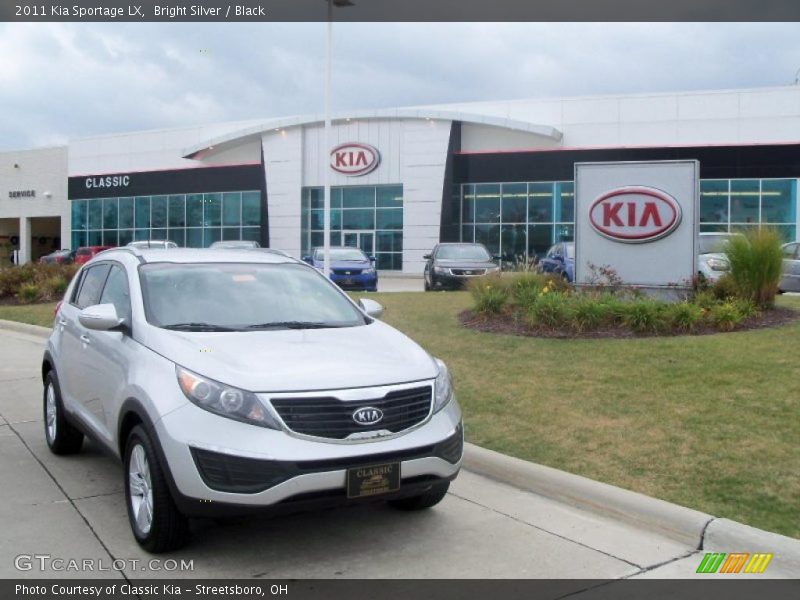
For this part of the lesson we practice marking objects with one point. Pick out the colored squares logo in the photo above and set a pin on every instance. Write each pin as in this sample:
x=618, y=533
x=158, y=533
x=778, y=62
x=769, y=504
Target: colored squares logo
x=735, y=562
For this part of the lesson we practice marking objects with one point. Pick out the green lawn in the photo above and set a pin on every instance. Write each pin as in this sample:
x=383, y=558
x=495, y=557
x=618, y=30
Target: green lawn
x=710, y=422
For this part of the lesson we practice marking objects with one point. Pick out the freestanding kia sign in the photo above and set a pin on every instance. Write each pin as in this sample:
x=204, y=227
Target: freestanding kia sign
x=639, y=219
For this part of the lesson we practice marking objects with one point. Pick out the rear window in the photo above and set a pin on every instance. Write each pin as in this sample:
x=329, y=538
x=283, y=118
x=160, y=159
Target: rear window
x=83, y=252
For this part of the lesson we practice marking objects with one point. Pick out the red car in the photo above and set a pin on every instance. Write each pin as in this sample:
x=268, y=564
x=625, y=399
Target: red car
x=87, y=253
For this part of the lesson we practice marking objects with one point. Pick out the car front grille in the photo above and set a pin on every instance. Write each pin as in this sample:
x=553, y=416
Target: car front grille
x=346, y=272
x=332, y=418
x=462, y=272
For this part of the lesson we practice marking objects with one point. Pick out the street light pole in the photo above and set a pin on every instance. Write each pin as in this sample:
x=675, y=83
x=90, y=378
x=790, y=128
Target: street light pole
x=326, y=234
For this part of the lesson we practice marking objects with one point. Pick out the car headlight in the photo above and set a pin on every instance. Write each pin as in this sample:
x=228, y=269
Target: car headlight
x=440, y=270
x=443, y=388
x=368, y=271
x=718, y=264
x=224, y=400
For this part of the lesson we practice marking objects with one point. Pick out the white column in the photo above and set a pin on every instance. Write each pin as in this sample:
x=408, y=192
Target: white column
x=24, y=240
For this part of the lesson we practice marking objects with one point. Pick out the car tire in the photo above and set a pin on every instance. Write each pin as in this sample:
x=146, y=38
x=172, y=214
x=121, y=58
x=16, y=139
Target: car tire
x=62, y=437
x=155, y=521
x=430, y=498
x=427, y=286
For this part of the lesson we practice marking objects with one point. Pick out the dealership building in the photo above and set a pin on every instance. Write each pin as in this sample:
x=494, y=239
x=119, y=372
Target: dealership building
x=402, y=179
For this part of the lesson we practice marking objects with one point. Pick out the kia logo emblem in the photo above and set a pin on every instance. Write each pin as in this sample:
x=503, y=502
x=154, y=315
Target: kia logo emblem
x=635, y=214
x=354, y=159
x=367, y=415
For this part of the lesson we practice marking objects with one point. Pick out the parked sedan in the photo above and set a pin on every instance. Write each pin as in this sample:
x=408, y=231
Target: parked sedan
x=87, y=253
x=351, y=269
x=712, y=260
x=559, y=260
x=59, y=257
x=451, y=265
x=790, y=282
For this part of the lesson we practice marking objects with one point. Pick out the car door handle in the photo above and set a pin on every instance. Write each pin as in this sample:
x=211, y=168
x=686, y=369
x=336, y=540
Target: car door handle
x=86, y=339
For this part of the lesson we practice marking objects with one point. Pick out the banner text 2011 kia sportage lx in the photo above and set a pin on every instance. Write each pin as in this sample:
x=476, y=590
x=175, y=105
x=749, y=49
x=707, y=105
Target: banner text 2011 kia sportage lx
x=232, y=380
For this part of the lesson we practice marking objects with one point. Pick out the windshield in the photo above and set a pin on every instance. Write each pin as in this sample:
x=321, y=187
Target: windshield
x=344, y=254
x=465, y=252
x=242, y=297
x=713, y=244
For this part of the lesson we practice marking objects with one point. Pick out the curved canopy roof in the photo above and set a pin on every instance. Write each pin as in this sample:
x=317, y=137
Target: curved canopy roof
x=394, y=113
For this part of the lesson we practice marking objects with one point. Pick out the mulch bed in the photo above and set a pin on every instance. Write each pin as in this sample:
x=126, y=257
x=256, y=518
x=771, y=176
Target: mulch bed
x=507, y=323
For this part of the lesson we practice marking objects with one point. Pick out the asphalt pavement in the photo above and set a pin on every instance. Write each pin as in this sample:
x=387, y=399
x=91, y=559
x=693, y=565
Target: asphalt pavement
x=73, y=508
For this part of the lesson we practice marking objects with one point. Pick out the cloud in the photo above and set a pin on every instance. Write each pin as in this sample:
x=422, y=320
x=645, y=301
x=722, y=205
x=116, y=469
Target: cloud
x=61, y=80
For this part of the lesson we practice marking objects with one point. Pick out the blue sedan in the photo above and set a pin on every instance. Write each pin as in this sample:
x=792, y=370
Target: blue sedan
x=560, y=260
x=351, y=269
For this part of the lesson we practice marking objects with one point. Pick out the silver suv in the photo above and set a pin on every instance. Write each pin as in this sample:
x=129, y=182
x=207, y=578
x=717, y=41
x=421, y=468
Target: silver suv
x=232, y=380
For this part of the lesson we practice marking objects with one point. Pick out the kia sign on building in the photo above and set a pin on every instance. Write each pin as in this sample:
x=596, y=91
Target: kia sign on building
x=640, y=219
x=354, y=159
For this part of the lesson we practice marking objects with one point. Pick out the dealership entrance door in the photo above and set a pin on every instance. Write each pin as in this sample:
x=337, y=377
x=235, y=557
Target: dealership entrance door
x=360, y=239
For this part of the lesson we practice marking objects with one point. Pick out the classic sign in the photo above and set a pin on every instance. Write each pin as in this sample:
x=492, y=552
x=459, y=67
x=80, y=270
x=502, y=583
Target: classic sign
x=354, y=159
x=635, y=214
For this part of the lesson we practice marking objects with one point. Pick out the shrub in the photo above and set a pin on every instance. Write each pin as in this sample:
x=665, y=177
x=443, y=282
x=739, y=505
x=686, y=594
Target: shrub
x=683, y=316
x=705, y=299
x=756, y=262
x=51, y=280
x=644, y=315
x=54, y=287
x=525, y=288
x=550, y=310
x=591, y=313
x=490, y=294
x=725, y=316
x=746, y=308
x=725, y=287
x=28, y=292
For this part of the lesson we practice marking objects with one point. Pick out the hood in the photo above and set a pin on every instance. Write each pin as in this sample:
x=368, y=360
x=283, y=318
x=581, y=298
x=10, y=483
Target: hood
x=298, y=360
x=718, y=255
x=465, y=264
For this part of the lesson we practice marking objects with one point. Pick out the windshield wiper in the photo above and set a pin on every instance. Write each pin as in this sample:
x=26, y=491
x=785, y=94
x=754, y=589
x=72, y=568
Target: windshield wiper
x=294, y=325
x=198, y=327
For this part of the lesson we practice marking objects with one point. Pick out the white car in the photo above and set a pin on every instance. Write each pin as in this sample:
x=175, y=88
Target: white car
x=712, y=261
x=141, y=244
x=790, y=282
x=233, y=380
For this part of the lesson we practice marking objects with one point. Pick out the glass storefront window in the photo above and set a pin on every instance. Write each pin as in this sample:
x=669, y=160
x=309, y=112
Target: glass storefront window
x=358, y=197
x=489, y=236
x=514, y=243
x=125, y=213
x=390, y=219
x=358, y=219
x=178, y=217
x=487, y=203
x=744, y=200
x=468, y=204
x=390, y=196
x=514, y=202
x=778, y=200
x=540, y=203
x=714, y=201
x=565, y=206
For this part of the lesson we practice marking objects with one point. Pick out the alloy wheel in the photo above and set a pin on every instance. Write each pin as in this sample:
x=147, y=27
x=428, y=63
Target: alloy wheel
x=140, y=490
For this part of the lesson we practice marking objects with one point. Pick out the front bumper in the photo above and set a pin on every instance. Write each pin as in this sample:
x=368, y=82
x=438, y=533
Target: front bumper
x=356, y=282
x=237, y=465
x=454, y=282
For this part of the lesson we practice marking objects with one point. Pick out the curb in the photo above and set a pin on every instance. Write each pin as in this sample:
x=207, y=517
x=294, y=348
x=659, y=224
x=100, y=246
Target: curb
x=37, y=330
x=696, y=529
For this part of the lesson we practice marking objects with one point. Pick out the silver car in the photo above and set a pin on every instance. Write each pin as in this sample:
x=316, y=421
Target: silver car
x=231, y=380
x=790, y=282
x=712, y=259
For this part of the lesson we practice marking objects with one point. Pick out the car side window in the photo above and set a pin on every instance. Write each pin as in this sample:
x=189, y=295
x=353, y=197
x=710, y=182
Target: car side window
x=116, y=292
x=790, y=251
x=91, y=286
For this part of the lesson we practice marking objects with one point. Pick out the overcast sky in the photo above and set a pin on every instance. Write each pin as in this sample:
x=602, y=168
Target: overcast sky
x=65, y=80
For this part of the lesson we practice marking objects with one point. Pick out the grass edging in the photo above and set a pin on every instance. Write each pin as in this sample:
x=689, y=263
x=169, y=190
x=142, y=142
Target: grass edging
x=37, y=330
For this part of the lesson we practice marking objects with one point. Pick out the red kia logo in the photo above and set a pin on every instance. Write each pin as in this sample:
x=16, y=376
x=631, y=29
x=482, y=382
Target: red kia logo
x=635, y=214
x=354, y=159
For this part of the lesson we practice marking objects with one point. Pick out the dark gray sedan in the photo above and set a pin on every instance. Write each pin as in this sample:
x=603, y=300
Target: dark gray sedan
x=449, y=266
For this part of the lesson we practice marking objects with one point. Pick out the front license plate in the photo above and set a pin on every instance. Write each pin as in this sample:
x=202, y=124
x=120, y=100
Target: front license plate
x=347, y=282
x=373, y=480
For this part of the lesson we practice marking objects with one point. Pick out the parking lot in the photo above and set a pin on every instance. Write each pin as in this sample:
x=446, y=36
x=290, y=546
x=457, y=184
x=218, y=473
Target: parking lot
x=73, y=508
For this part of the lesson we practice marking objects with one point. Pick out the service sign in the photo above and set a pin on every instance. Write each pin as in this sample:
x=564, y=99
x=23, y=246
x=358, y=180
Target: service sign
x=354, y=159
x=640, y=219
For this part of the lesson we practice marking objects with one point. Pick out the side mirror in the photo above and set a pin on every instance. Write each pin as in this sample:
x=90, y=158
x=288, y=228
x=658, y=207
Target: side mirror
x=100, y=317
x=372, y=308
x=371, y=258
x=426, y=256
x=497, y=257
x=307, y=259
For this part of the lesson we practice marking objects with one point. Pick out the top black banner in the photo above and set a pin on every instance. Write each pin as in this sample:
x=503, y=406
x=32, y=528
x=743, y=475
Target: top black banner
x=398, y=10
